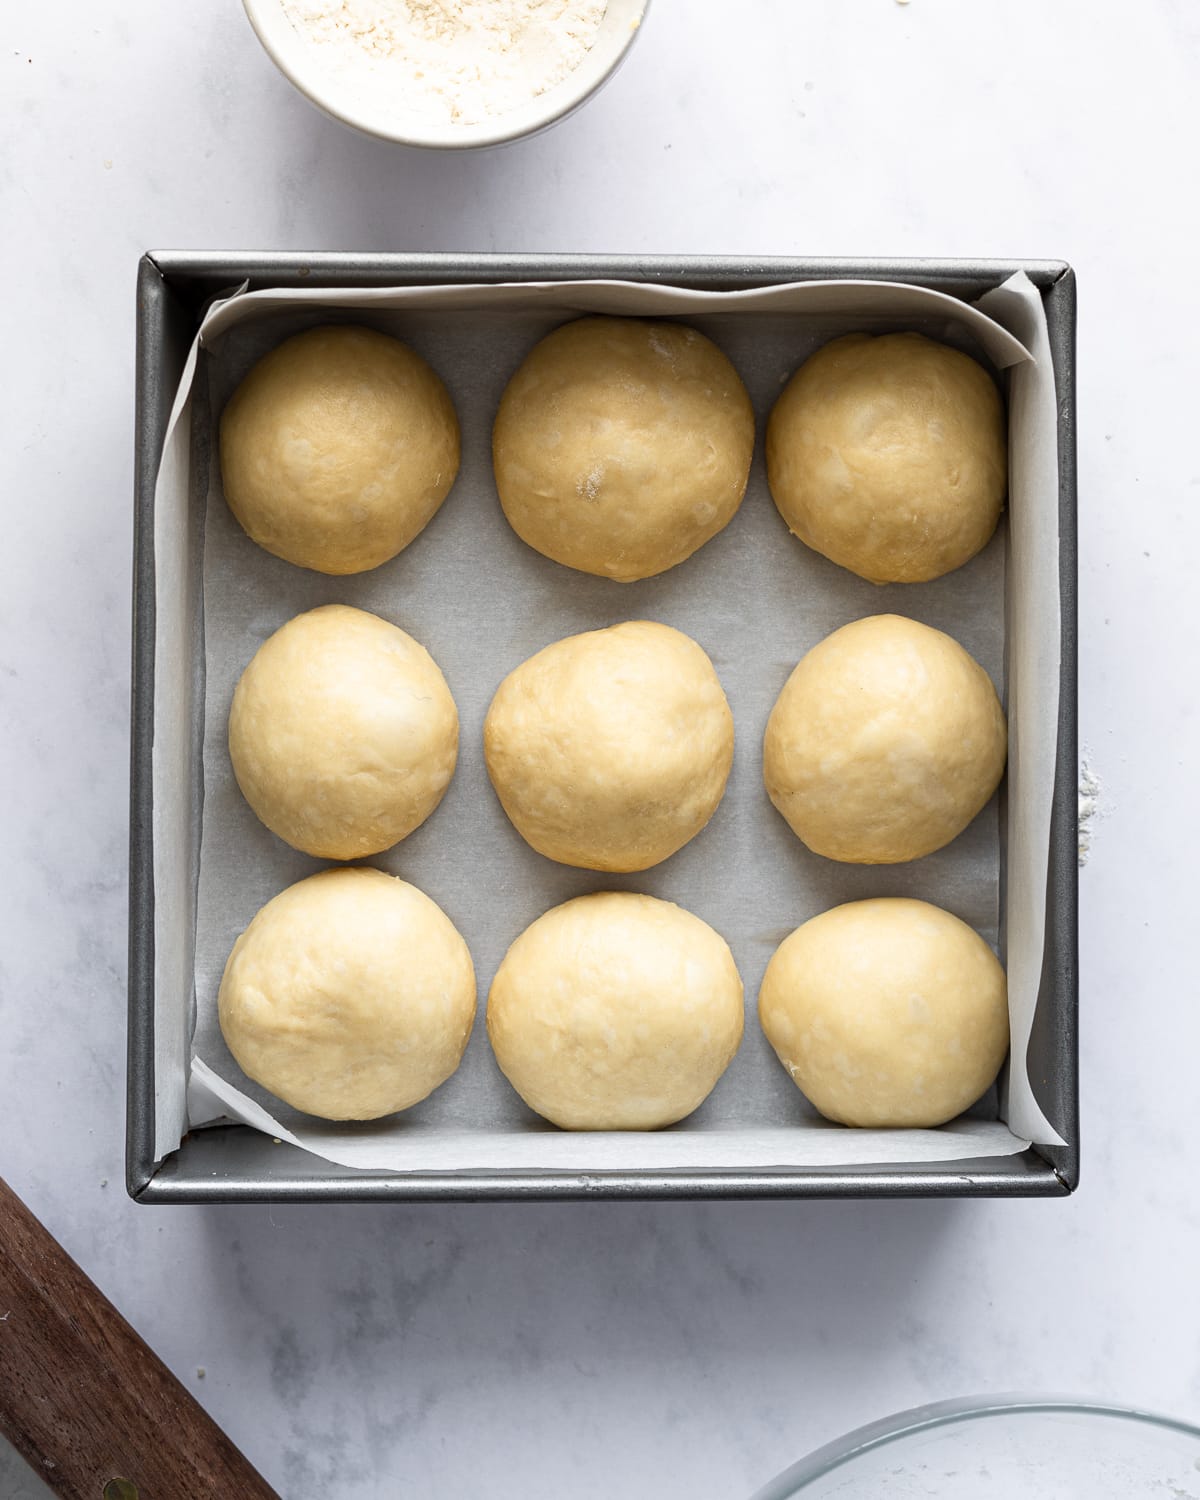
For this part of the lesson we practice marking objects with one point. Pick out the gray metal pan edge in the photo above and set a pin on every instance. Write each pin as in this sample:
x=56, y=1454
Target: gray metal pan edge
x=236, y=1164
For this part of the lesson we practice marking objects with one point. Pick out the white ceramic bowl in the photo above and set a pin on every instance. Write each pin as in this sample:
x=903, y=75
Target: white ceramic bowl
x=300, y=63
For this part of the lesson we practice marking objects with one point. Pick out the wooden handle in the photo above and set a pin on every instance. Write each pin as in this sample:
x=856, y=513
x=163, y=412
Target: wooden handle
x=84, y=1400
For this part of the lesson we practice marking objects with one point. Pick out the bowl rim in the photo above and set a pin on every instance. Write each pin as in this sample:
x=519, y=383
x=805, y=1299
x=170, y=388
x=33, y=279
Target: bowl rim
x=959, y=1409
x=268, y=19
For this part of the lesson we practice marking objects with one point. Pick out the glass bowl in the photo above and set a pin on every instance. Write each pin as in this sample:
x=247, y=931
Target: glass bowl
x=1001, y=1448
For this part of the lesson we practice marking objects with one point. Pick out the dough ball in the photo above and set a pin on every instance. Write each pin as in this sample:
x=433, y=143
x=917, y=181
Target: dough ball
x=885, y=742
x=350, y=995
x=343, y=733
x=888, y=456
x=610, y=750
x=622, y=445
x=615, y=1012
x=337, y=449
x=887, y=1012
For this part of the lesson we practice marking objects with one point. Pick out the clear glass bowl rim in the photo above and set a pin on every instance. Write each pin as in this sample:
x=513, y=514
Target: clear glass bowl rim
x=947, y=1414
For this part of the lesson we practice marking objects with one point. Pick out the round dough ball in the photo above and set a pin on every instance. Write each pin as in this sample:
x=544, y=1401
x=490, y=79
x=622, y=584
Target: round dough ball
x=337, y=448
x=610, y=750
x=622, y=445
x=615, y=1012
x=343, y=734
x=888, y=456
x=887, y=1012
x=885, y=742
x=350, y=995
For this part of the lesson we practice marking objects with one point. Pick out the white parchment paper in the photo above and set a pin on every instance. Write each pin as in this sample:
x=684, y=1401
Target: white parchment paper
x=481, y=601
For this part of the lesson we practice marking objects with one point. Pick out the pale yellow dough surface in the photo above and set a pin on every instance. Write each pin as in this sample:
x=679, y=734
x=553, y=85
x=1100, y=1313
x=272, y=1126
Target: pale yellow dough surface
x=343, y=734
x=622, y=445
x=351, y=995
x=337, y=448
x=885, y=742
x=887, y=1012
x=615, y=1012
x=610, y=750
x=888, y=456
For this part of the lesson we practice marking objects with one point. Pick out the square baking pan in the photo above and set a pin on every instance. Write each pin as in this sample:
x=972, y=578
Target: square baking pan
x=236, y=1163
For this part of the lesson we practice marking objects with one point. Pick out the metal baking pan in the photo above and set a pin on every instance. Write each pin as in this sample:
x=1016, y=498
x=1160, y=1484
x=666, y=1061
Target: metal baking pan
x=235, y=1163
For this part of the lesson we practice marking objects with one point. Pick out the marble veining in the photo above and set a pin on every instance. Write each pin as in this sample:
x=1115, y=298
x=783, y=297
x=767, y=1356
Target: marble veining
x=683, y=1352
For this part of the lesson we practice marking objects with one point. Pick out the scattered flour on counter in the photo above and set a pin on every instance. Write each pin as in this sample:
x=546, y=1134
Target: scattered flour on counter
x=1089, y=809
x=447, y=61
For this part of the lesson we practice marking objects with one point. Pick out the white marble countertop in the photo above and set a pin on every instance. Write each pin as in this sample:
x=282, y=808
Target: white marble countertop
x=679, y=1351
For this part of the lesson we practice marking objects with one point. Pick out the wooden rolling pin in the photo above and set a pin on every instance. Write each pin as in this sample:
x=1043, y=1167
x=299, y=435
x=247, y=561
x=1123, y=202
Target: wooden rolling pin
x=96, y=1414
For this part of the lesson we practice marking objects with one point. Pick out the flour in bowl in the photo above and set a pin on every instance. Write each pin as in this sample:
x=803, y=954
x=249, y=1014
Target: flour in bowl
x=448, y=61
